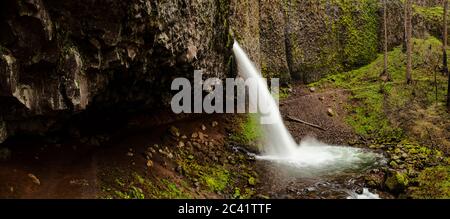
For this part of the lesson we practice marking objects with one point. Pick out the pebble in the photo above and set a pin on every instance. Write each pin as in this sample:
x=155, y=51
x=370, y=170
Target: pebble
x=149, y=163
x=330, y=112
x=34, y=179
x=174, y=131
x=179, y=169
x=201, y=136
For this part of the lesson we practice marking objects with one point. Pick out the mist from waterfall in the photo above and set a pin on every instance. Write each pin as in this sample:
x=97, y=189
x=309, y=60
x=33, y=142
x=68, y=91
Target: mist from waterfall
x=280, y=146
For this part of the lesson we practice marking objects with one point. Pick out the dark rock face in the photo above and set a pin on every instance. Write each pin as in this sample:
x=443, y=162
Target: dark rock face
x=60, y=58
x=63, y=57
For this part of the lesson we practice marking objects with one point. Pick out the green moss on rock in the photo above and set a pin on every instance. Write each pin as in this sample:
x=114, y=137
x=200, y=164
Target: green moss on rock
x=397, y=182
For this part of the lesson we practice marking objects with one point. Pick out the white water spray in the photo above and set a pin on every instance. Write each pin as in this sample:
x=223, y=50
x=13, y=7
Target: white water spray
x=279, y=145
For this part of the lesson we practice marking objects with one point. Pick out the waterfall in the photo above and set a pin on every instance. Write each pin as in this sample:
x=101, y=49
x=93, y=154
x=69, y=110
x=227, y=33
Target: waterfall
x=279, y=145
x=277, y=138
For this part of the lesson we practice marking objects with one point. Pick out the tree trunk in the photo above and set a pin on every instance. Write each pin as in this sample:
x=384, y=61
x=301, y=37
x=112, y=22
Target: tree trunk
x=445, y=51
x=445, y=37
x=385, y=72
x=409, y=44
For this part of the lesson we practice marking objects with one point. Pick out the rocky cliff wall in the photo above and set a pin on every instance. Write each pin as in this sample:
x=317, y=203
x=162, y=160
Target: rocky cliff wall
x=304, y=40
x=60, y=58
x=64, y=57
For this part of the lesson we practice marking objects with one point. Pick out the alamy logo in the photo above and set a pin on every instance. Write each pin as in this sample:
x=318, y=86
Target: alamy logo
x=236, y=95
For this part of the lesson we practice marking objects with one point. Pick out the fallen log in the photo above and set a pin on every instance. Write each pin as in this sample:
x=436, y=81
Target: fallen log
x=304, y=122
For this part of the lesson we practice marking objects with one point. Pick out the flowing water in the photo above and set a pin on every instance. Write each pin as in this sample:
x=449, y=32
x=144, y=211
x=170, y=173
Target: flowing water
x=310, y=158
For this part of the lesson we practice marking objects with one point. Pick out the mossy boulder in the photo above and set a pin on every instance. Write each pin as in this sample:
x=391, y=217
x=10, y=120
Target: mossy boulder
x=397, y=181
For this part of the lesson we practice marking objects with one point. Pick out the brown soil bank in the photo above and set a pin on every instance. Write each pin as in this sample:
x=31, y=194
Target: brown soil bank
x=187, y=159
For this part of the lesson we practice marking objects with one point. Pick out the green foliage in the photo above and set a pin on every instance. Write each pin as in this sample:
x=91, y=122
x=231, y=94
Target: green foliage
x=431, y=14
x=434, y=183
x=217, y=180
x=250, y=130
x=215, y=177
x=172, y=191
x=136, y=186
x=370, y=96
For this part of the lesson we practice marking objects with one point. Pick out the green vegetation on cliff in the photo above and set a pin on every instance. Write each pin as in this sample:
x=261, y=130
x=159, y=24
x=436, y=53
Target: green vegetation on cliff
x=375, y=97
x=408, y=121
x=357, y=31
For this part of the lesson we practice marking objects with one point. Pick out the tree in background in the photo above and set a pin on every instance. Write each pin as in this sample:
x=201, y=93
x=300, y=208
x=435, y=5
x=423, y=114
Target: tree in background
x=409, y=45
x=445, y=36
x=385, y=74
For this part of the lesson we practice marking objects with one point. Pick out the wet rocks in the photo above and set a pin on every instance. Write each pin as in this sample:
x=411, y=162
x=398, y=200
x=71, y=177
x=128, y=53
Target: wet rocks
x=375, y=179
x=397, y=181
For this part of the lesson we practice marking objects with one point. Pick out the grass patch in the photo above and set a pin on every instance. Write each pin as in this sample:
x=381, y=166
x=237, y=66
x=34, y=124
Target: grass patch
x=136, y=186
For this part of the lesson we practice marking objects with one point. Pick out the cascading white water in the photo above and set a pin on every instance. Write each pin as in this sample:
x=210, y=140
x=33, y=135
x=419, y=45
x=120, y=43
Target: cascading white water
x=279, y=141
x=279, y=145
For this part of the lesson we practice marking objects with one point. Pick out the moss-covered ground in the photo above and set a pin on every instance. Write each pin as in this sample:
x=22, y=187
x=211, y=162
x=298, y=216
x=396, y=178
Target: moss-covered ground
x=408, y=122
